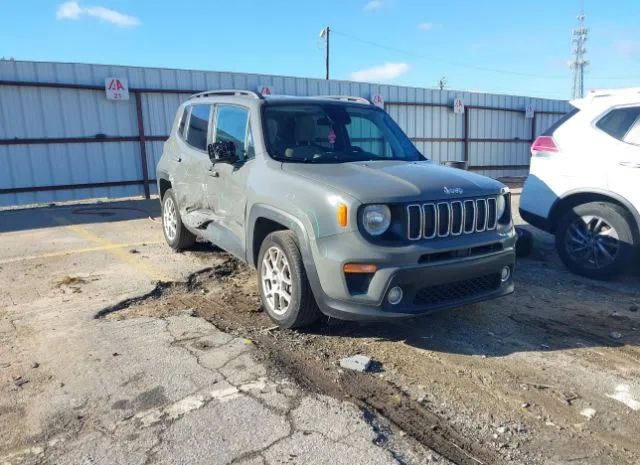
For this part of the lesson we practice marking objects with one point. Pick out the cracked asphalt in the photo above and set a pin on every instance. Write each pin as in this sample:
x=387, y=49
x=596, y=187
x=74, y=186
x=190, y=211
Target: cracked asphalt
x=75, y=389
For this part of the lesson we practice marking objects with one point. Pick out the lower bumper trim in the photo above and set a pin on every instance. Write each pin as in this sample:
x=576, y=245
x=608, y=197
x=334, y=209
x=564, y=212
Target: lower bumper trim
x=429, y=289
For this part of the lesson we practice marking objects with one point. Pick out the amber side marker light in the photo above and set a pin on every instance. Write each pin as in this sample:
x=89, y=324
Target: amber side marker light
x=359, y=268
x=342, y=215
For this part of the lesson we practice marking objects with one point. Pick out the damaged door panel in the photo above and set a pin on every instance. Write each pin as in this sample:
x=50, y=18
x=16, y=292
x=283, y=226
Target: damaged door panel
x=232, y=125
x=196, y=211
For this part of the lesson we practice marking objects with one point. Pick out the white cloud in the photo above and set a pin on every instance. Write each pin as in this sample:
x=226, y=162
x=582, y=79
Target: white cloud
x=372, y=5
x=385, y=72
x=73, y=10
x=627, y=48
x=425, y=26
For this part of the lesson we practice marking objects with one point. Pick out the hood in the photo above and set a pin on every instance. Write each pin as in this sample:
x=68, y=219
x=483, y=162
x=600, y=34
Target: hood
x=397, y=181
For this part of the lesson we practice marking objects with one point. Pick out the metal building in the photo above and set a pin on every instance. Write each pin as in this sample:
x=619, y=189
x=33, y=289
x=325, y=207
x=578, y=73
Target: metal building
x=61, y=139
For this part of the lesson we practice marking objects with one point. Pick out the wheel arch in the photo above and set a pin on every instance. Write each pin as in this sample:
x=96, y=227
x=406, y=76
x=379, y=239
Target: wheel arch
x=164, y=183
x=263, y=220
x=578, y=197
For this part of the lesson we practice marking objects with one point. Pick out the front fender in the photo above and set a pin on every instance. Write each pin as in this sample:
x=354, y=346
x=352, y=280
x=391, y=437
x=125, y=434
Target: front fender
x=304, y=234
x=279, y=216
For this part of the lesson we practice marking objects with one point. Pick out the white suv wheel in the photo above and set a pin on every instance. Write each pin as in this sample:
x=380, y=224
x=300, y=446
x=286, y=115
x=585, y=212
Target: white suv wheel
x=596, y=239
x=592, y=241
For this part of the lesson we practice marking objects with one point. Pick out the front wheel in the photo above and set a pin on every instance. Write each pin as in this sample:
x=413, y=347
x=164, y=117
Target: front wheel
x=282, y=282
x=596, y=239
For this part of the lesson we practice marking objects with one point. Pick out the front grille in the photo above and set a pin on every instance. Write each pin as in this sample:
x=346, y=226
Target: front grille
x=451, y=292
x=451, y=218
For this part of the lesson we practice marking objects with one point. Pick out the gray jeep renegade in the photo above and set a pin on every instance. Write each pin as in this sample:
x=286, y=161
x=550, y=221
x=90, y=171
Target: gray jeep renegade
x=334, y=206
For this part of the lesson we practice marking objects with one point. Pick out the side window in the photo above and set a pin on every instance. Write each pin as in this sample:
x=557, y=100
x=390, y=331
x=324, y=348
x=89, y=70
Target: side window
x=231, y=126
x=633, y=136
x=617, y=122
x=183, y=121
x=198, y=125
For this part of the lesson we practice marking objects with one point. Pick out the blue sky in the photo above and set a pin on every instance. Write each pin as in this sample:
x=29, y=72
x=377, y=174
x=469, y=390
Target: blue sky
x=502, y=46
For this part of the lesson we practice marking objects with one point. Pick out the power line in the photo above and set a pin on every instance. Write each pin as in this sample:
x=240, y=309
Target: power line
x=461, y=65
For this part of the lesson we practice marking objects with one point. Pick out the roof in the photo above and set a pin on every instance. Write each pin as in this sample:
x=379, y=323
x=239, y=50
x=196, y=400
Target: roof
x=621, y=95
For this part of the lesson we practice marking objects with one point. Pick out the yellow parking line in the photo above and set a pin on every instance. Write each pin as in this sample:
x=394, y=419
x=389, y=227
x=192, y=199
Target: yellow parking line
x=117, y=252
x=64, y=253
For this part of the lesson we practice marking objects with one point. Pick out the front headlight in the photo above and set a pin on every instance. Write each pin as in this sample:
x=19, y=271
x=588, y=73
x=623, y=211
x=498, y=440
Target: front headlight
x=501, y=206
x=376, y=219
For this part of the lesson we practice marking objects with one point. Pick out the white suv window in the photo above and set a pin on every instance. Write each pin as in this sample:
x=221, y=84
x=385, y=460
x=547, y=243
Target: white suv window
x=633, y=136
x=618, y=122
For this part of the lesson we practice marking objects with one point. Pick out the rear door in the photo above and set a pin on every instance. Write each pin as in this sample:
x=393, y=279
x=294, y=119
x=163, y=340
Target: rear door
x=232, y=123
x=178, y=155
x=195, y=159
x=620, y=130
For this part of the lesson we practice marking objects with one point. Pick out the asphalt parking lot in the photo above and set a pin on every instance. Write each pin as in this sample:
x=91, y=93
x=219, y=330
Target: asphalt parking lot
x=100, y=364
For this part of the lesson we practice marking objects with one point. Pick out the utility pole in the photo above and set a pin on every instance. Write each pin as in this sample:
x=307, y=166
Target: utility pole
x=579, y=63
x=324, y=34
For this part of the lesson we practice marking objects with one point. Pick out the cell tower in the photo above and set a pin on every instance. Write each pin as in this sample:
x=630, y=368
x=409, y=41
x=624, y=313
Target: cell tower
x=579, y=63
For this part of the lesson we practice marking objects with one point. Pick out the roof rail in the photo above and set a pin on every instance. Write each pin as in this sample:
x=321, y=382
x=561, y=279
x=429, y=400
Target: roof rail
x=348, y=98
x=239, y=93
x=595, y=93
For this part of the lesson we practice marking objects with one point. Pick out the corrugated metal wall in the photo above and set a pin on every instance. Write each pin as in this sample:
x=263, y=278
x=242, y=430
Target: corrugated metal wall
x=30, y=170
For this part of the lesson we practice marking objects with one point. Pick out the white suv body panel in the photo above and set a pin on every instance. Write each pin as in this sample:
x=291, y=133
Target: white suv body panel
x=588, y=160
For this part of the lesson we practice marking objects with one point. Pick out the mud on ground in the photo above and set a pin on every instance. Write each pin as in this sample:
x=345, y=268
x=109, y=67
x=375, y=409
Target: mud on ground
x=549, y=375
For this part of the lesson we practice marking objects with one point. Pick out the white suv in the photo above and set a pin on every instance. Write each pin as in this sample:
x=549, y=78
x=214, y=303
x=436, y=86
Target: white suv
x=584, y=183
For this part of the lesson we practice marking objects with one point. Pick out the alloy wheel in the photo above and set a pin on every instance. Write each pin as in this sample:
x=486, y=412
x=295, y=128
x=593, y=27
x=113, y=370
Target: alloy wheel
x=276, y=280
x=592, y=242
x=170, y=219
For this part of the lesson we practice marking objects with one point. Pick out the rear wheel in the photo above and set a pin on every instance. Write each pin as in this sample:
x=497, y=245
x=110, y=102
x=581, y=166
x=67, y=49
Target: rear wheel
x=596, y=239
x=282, y=281
x=177, y=236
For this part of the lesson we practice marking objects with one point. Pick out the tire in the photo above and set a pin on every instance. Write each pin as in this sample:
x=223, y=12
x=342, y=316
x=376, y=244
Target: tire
x=177, y=236
x=524, y=244
x=301, y=309
x=596, y=239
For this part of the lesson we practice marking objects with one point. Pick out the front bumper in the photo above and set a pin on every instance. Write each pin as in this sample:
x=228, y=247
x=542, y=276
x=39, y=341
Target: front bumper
x=426, y=287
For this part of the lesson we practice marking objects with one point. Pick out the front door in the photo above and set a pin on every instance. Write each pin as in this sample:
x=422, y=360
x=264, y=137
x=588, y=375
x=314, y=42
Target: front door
x=232, y=125
x=621, y=128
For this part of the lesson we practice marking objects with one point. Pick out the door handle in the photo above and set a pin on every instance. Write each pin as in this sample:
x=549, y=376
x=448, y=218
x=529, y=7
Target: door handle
x=214, y=174
x=630, y=164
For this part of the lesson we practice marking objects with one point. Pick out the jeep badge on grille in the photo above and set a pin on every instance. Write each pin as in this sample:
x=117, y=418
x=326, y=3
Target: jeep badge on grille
x=453, y=190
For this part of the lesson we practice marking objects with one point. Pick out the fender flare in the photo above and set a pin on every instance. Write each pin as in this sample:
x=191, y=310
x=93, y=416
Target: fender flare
x=293, y=224
x=602, y=192
x=162, y=175
x=279, y=216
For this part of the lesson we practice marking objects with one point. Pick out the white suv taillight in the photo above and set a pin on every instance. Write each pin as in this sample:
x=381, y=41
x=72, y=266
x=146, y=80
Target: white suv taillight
x=544, y=144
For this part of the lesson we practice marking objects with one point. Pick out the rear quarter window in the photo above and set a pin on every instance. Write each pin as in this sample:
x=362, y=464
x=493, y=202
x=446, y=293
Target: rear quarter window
x=183, y=122
x=619, y=121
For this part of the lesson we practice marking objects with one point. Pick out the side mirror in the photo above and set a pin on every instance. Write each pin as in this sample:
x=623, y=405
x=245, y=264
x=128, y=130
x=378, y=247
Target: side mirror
x=222, y=151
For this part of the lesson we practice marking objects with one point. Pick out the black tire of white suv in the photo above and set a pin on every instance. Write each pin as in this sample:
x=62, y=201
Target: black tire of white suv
x=596, y=239
x=282, y=282
x=177, y=236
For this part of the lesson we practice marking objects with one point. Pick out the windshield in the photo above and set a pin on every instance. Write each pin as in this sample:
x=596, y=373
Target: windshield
x=334, y=133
